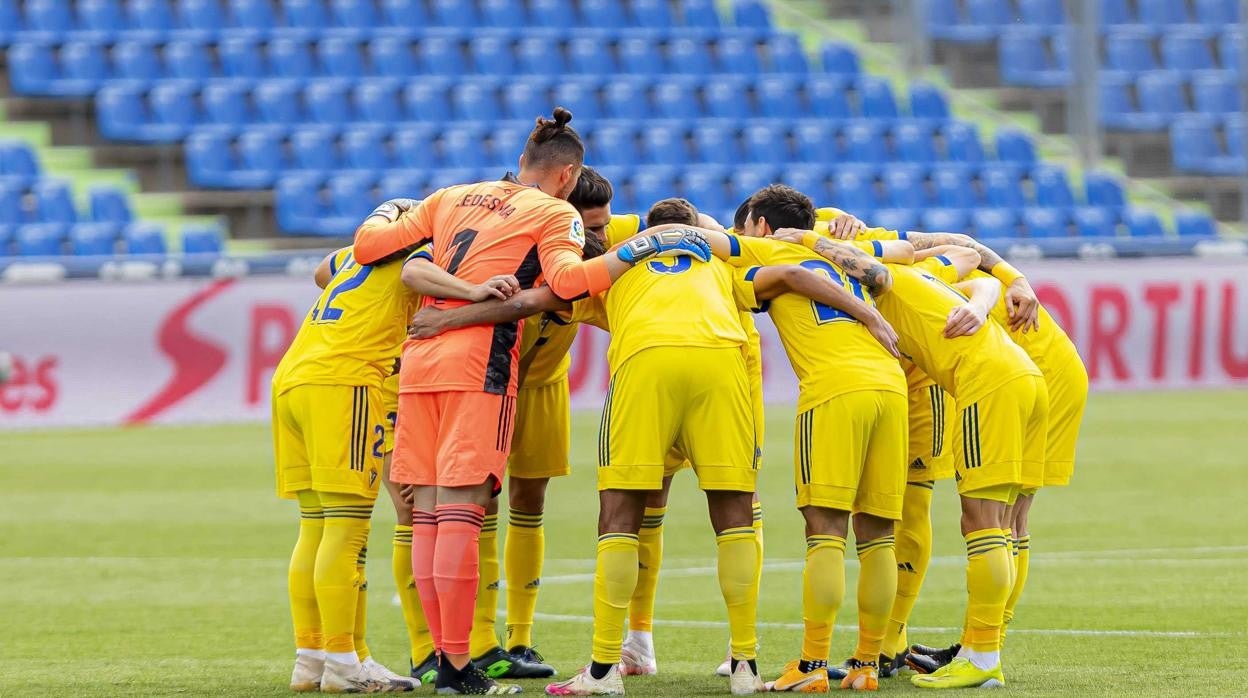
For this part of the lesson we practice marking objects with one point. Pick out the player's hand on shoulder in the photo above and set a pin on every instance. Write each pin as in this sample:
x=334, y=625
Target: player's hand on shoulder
x=964, y=320
x=846, y=227
x=502, y=287
x=426, y=323
x=1022, y=305
x=675, y=241
x=392, y=209
x=793, y=235
x=884, y=334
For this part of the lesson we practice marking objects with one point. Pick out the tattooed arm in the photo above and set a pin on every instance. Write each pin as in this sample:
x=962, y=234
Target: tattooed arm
x=850, y=259
x=1020, y=298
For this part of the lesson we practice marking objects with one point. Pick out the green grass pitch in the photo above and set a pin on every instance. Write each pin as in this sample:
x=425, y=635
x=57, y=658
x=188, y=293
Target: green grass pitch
x=152, y=561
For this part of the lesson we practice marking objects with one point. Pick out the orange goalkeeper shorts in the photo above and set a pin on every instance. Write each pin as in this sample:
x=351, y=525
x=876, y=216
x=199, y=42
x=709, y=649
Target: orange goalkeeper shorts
x=452, y=438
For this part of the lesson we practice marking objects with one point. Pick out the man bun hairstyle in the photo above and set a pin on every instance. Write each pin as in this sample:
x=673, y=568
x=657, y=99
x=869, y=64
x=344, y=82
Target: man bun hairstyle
x=592, y=190
x=672, y=211
x=783, y=207
x=553, y=142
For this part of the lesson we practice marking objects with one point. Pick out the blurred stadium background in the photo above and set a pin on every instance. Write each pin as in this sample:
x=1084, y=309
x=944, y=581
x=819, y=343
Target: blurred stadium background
x=172, y=170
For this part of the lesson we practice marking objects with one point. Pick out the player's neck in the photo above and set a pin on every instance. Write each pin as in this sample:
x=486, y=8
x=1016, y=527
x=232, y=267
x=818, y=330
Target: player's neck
x=529, y=178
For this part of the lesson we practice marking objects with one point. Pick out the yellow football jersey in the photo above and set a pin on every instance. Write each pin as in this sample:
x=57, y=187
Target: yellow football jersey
x=544, y=345
x=621, y=228
x=831, y=352
x=825, y=215
x=1049, y=346
x=968, y=367
x=354, y=332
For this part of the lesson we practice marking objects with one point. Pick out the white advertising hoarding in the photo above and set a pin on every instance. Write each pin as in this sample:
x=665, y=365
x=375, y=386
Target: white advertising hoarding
x=98, y=353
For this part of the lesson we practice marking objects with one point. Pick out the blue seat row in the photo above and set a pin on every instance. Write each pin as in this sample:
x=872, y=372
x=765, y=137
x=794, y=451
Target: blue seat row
x=101, y=238
x=1150, y=102
x=983, y=20
x=1203, y=146
x=76, y=68
x=1038, y=223
x=169, y=110
x=162, y=17
x=27, y=198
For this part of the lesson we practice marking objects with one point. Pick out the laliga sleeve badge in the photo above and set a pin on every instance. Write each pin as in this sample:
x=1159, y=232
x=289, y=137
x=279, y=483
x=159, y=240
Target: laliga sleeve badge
x=577, y=233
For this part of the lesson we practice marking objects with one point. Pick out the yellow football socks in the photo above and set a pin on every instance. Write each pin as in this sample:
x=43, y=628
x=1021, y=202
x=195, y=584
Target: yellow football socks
x=877, y=585
x=914, y=554
x=523, y=554
x=614, y=581
x=484, y=636
x=823, y=589
x=361, y=606
x=649, y=559
x=758, y=533
x=739, y=555
x=346, y=533
x=1022, y=556
x=303, y=608
x=418, y=636
x=988, y=586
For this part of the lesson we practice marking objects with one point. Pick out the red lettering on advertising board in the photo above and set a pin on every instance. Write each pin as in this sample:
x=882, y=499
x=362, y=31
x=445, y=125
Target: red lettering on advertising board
x=1235, y=366
x=1160, y=297
x=1106, y=331
x=1196, y=351
x=272, y=331
x=31, y=386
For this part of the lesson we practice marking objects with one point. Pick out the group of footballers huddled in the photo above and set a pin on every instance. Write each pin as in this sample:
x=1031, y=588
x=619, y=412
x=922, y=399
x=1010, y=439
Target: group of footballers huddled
x=435, y=362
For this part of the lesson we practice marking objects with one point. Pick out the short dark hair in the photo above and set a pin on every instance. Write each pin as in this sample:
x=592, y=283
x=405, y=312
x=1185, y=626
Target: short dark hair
x=783, y=207
x=553, y=142
x=672, y=211
x=592, y=190
x=742, y=214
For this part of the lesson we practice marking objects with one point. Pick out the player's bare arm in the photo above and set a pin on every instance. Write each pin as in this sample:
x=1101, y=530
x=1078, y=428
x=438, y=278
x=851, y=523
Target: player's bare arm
x=431, y=322
x=894, y=251
x=853, y=261
x=966, y=319
x=964, y=259
x=325, y=270
x=428, y=279
x=770, y=282
x=389, y=232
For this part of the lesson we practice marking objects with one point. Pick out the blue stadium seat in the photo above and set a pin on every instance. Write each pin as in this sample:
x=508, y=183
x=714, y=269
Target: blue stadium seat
x=704, y=186
x=810, y=179
x=785, y=55
x=725, y=97
x=737, y=55
x=1162, y=12
x=689, y=56
x=1230, y=48
x=1217, y=12
x=503, y=14
x=492, y=54
x=100, y=15
x=751, y=13
x=136, y=60
x=838, y=57
x=639, y=57
x=813, y=140
x=260, y=151
x=120, y=112
x=650, y=184
x=1045, y=222
x=1001, y=187
x=1094, y=221
x=109, y=204
x=603, y=13
x=10, y=24
x=590, y=56
x=54, y=203
x=580, y=97
x=40, y=240
x=52, y=16
x=18, y=160
x=1186, y=50
x=625, y=99
x=614, y=145
x=1015, y=146
x=1121, y=110
x=1030, y=57
x=945, y=220
x=650, y=13
x=717, y=143
x=464, y=147
x=895, y=218
x=854, y=191
x=903, y=188
x=1191, y=223
x=279, y=101
x=201, y=239
x=1129, y=49
x=188, y=60
x=33, y=70
x=83, y=63
x=151, y=15
x=776, y=97
x=405, y=13
x=1042, y=12
x=11, y=214
x=1103, y=189
x=306, y=14
x=876, y=98
x=1115, y=12
x=297, y=204
x=359, y=14
x=440, y=55
x=401, y=184
x=555, y=14
x=928, y=101
x=980, y=22
x=475, y=100
x=864, y=142
x=1196, y=147
x=314, y=148
x=427, y=100
x=526, y=98
x=995, y=222
x=241, y=58
x=700, y=13
x=1142, y=222
x=327, y=101
x=144, y=238
x=506, y=142
x=340, y=57
x=391, y=56
x=249, y=14
x=364, y=148
x=764, y=145
x=93, y=239
x=1051, y=186
x=674, y=98
x=747, y=179
x=440, y=179
x=664, y=145
x=209, y=158
x=377, y=101
x=1217, y=92
x=952, y=188
x=537, y=56
x=1161, y=92
x=455, y=13
x=201, y=15
x=962, y=142
x=290, y=58
x=826, y=96
x=351, y=196
x=412, y=148
x=174, y=108
x=913, y=143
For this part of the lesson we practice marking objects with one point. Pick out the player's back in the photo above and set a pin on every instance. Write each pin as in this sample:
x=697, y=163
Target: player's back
x=968, y=367
x=544, y=345
x=1047, y=345
x=353, y=332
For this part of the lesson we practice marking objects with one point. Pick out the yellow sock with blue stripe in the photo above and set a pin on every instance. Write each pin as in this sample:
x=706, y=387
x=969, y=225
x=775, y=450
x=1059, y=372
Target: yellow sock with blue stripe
x=484, y=635
x=361, y=605
x=300, y=576
x=823, y=590
x=419, y=639
x=524, y=553
x=336, y=579
x=877, y=585
x=739, y=555
x=614, y=581
x=988, y=587
x=649, y=560
x=1022, y=557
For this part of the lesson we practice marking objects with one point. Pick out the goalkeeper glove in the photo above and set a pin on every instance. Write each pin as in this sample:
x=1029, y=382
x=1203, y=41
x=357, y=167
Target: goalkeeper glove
x=392, y=209
x=685, y=242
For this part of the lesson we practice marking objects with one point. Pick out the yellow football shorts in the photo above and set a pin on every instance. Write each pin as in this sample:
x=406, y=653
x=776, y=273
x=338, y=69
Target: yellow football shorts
x=850, y=453
x=1003, y=438
x=931, y=420
x=539, y=446
x=676, y=460
x=1068, y=396
x=328, y=438
x=390, y=410
x=697, y=397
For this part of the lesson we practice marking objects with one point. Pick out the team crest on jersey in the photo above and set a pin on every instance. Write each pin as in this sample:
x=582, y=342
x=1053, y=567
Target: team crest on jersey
x=577, y=234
